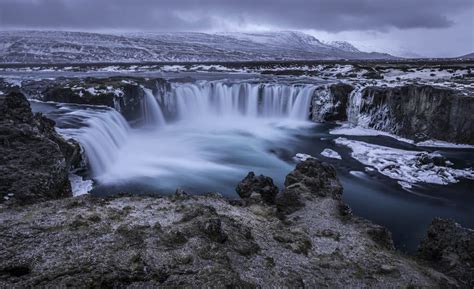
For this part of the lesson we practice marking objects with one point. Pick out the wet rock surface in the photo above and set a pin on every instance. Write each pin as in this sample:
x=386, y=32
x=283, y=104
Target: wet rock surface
x=450, y=248
x=34, y=159
x=205, y=241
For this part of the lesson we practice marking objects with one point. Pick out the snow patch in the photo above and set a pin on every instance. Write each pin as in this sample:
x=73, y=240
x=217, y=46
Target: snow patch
x=79, y=185
x=405, y=185
x=443, y=144
x=361, y=131
x=348, y=130
x=329, y=153
x=302, y=157
x=404, y=165
x=13, y=82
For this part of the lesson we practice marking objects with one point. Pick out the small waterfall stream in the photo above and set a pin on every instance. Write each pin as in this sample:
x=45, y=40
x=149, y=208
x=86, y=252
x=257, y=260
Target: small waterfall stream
x=151, y=110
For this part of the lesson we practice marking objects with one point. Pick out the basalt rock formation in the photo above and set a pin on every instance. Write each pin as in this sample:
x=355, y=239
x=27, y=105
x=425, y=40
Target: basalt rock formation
x=206, y=241
x=420, y=112
x=34, y=160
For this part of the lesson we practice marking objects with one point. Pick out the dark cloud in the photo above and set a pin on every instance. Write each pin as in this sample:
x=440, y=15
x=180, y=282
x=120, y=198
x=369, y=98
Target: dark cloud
x=194, y=15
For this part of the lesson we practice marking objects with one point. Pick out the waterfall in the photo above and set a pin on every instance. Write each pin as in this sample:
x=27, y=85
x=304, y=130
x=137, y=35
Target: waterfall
x=353, y=108
x=103, y=133
x=199, y=107
x=151, y=109
x=202, y=99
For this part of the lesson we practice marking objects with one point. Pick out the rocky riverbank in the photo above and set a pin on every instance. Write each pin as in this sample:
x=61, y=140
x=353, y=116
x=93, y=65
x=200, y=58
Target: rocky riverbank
x=304, y=236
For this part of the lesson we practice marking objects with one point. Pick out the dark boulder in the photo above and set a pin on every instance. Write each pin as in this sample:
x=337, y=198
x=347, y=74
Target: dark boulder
x=260, y=185
x=311, y=178
x=448, y=247
x=431, y=159
x=373, y=74
x=318, y=177
x=34, y=159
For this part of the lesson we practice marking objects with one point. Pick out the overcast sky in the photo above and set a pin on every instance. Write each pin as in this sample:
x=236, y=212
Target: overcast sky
x=425, y=27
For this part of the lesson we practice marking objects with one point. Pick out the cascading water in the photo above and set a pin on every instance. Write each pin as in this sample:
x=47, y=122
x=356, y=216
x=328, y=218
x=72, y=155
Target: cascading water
x=353, y=108
x=102, y=134
x=151, y=110
x=204, y=99
x=212, y=128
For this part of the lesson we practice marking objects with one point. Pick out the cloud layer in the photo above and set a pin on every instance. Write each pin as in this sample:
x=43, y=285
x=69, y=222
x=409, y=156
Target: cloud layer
x=171, y=15
x=430, y=27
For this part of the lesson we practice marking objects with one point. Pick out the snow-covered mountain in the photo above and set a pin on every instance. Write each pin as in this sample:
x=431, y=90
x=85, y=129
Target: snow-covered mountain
x=467, y=56
x=81, y=47
x=344, y=45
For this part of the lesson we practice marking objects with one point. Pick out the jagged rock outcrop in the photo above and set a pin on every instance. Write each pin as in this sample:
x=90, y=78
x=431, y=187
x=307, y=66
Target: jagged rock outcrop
x=34, y=160
x=448, y=247
x=205, y=241
x=257, y=187
x=330, y=103
x=419, y=112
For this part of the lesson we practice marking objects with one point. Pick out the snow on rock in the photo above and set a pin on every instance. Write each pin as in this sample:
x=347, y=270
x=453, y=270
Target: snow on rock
x=302, y=157
x=329, y=153
x=410, y=167
x=80, y=186
x=118, y=92
x=405, y=185
x=13, y=82
x=443, y=144
x=348, y=130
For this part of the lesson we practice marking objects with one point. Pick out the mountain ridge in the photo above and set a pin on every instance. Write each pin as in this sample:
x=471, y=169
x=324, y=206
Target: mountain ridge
x=88, y=47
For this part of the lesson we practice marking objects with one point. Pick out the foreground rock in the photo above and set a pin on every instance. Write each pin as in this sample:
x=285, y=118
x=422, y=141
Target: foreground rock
x=34, y=159
x=450, y=248
x=206, y=241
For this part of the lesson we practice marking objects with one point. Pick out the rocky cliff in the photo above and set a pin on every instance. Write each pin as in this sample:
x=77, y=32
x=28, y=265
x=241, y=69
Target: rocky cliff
x=419, y=112
x=34, y=160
